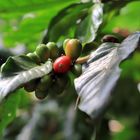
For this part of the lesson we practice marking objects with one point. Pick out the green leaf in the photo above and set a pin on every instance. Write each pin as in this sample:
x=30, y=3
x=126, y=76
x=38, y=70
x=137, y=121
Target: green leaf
x=14, y=6
x=128, y=99
x=16, y=64
x=100, y=74
x=4, y=54
x=25, y=22
x=19, y=70
x=65, y=21
x=8, y=109
x=86, y=30
x=123, y=20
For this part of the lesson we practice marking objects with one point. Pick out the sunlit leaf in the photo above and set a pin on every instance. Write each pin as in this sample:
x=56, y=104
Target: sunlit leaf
x=19, y=70
x=65, y=20
x=14, y=6
x=86, y=30
x=100, y=74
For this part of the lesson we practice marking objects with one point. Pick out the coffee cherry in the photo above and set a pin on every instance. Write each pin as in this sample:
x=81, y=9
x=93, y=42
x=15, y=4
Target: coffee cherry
x=43, y=87
x=43, y=52
x=59, y=84
x=40, y=94
x=110, y=38
x=31, y=86
x=77, y=70
x=34, y=57
x=54, y=50
x=45, y=83
x=72, y=48
x=65, y=42
x=62, y=64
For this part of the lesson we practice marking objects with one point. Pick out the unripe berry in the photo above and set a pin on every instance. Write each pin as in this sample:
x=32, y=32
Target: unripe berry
x=43, y=87
x=34, y=57
x=43, y=52
x=54, y=50
x=31, y=85
x=40, y=94
x=45, y=83
x=59, y=85
x=77, y=70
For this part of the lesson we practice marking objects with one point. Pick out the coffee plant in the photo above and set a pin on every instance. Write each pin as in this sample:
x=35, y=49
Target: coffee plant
x=72, y=70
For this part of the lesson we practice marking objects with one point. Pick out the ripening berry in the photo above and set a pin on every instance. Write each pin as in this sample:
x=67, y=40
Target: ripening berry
x=72, y=48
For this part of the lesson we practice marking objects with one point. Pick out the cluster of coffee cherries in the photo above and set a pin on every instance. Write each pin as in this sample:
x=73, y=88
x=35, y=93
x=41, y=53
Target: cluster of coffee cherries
x=56, y=81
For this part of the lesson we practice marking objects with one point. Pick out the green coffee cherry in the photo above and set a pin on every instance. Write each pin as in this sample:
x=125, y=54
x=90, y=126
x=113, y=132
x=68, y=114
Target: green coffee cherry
x=59, y=85
x=45, y=83
x=43, y=52
x=43, y=87
x=54, y=50
x=31, y=86
x=34, y=57
x=40, y=94
x=77, y=70
x=72, y=48
x=62, y=80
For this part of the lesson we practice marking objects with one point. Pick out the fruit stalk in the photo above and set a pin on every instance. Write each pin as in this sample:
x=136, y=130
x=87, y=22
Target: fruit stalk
x=82, y=60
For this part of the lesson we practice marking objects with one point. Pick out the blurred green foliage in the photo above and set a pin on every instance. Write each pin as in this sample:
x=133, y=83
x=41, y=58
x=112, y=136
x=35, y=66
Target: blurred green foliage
x=26, y=23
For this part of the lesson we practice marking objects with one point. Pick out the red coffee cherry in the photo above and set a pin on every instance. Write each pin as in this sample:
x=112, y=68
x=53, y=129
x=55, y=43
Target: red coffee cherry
x=62, y=64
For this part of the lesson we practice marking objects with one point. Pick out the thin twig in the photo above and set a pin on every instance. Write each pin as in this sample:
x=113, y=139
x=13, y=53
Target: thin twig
x=77, y=102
